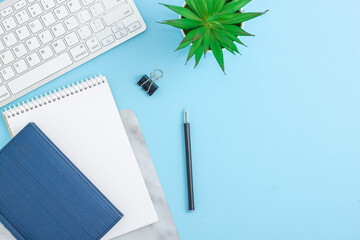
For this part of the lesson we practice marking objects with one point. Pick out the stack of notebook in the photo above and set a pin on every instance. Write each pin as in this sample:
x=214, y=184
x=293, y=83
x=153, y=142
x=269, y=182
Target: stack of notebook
x=83, y=122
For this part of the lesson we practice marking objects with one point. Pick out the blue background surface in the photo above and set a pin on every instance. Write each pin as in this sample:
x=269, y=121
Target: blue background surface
x=275, y=141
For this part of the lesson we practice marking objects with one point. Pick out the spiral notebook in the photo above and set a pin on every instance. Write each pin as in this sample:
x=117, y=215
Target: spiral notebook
x=83, y=121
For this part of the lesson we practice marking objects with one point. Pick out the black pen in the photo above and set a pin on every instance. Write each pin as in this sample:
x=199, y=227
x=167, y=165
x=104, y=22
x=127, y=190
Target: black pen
x=189, y=162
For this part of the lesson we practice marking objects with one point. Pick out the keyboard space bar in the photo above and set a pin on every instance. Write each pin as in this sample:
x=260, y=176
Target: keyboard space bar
x=39, y=73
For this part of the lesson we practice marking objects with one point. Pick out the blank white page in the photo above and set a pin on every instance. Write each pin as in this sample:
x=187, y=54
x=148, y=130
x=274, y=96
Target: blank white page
x=87, y=127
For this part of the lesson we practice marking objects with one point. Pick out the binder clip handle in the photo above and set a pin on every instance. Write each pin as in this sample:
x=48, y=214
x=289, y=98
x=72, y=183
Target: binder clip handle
x=148, y=84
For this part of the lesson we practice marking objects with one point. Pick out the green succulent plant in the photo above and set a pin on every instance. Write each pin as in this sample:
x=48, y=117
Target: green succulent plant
x=211, y=25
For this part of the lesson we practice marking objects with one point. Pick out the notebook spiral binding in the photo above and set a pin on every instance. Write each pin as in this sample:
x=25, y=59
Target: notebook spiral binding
x=54, y=96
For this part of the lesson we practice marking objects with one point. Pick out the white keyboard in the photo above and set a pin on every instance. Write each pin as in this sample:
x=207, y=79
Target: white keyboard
x=43, y=39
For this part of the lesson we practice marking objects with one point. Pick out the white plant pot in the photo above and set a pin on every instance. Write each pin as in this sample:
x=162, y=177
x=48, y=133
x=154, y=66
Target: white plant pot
x=183, y=33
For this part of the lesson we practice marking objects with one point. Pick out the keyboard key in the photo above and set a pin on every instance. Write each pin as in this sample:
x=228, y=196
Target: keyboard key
x=60, y=1
x=74, y=5
x=121, y=34
x=97, y=25
x=108, y=40
x=32, y=43
x=48, y=19
x=20, y=50
x=61, y=12
x=118, y=14
x=46, y=53
x=96, y=9
x=109, y=4
x=9, y=23
x=58, y=30
x=7, y=11
x=10, y=39
x=1, y=30
x=71, y=23
x=22, y=17
x=84, y=16
x=93, y=44
x=7, y=73
x=22, y=32
x=71, y=39
x=47, y=4
x=35, y=26
x=41, y=72
x=2, y=47
x=117, y=27
x=84, y=32
x=45, y=37
x=87, y=2
x=79, y=52
x=59, y=46
x=4, y=93
x=33, y=59
x=35, y=10
x=7, y=57
x=134, y=26
x=20, y=66
x=20, y=4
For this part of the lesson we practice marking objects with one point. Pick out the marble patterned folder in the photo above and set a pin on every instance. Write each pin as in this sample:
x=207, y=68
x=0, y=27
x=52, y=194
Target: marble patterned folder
x=165, y=228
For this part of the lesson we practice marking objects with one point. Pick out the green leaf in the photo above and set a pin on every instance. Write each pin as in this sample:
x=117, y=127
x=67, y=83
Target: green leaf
x=226, y=42
x=234, y=47
x=217, y=51
x=223, y=40
x=218, y=6
x=217, y=25
x=183, y=12
x=198, y=55
x=183, y=23
x=234, y=6
x=201, y=7
x=196, y=45
x=213, y=17
x=227, y=16
x=210, y=6
x=191, y=37
x=207, y=39
x=236, y=18
x=192, y=5
x=234, y=38
x=227, y=47
x=236, y=30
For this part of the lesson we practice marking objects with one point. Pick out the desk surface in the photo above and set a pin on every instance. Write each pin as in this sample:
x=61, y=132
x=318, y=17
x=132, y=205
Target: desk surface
x=275, y=141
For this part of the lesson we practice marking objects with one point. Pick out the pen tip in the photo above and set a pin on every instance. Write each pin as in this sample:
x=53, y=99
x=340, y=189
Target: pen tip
x=186, y=116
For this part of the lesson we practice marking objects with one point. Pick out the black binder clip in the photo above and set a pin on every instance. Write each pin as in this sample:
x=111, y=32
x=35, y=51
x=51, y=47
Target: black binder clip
x=149, y=84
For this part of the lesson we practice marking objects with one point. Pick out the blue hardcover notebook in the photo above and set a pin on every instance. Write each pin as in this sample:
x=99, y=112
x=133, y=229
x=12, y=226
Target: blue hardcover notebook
x=44, y=196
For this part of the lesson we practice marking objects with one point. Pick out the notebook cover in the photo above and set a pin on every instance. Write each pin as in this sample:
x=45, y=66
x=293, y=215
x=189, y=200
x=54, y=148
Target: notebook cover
x=45, y=196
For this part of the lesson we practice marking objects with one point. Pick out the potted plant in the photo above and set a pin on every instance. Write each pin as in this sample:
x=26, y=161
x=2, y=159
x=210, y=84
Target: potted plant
x=211, y=25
